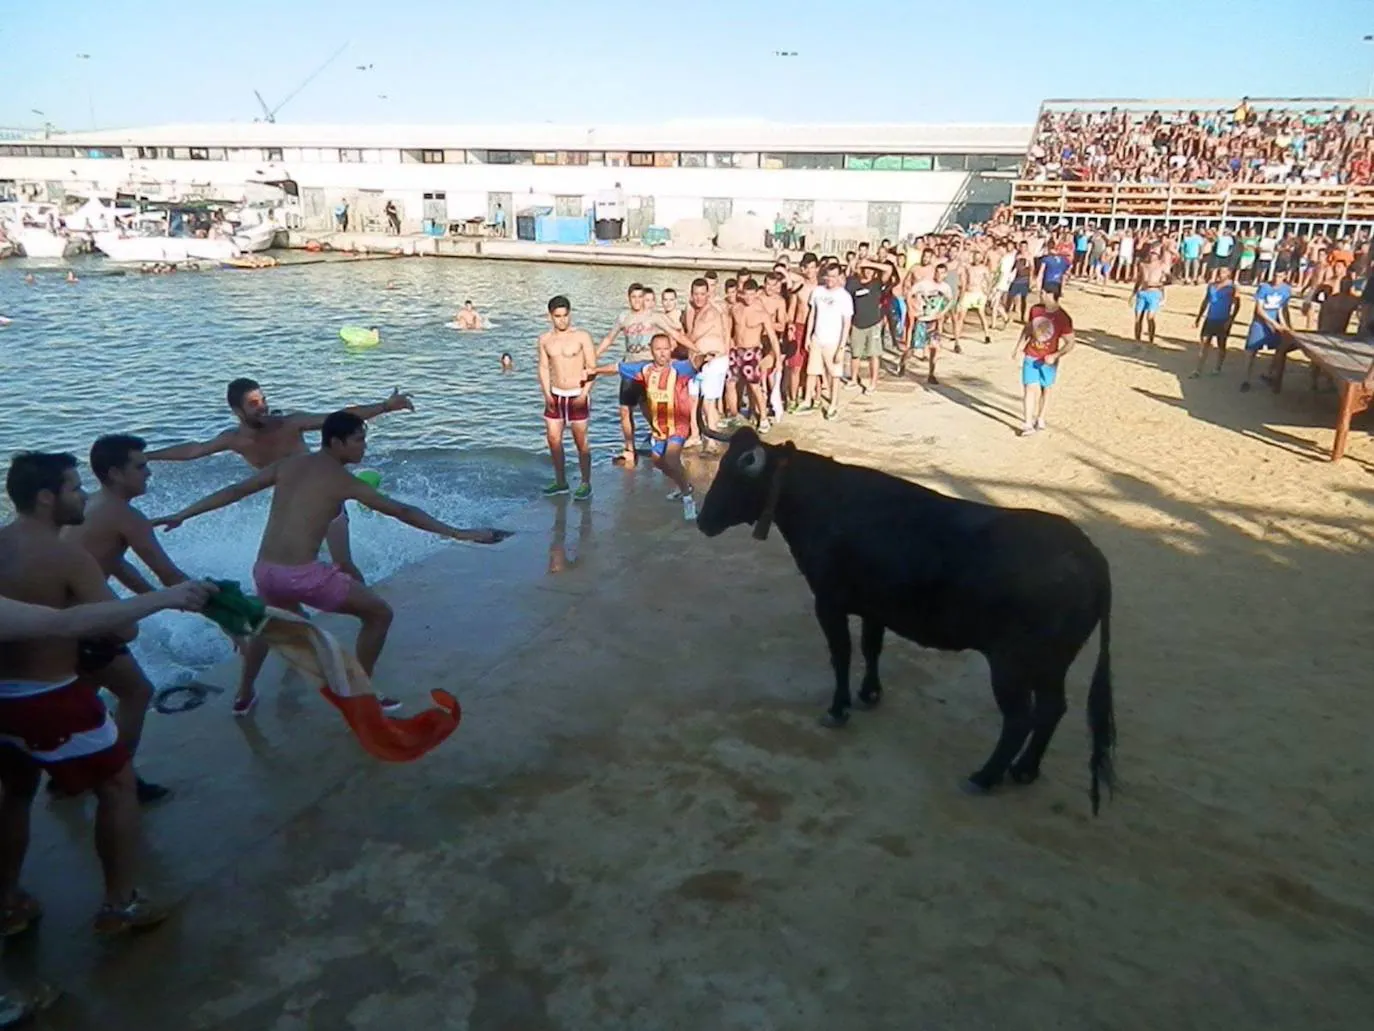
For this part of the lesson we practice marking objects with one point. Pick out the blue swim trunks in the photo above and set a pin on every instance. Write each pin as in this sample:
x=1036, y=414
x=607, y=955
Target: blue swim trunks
x=1260, y=337
x=1148, y=302
x=1036, y=372
x=660, y=446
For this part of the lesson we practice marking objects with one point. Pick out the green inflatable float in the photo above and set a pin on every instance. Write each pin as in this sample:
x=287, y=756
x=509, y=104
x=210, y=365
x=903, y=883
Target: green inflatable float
x=360, y=336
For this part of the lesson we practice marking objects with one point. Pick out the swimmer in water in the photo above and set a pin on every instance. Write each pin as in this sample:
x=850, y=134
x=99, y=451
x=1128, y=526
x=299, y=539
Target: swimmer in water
x=507, y=363
x=390, y=285
x=28, y=279
x=467, y=318
x=71, y=277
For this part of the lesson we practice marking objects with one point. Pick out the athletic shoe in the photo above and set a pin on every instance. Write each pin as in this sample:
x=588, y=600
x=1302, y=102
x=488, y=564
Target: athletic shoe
x=136, y=915
x=583, y=492
x=554, y=490
x=149, y=792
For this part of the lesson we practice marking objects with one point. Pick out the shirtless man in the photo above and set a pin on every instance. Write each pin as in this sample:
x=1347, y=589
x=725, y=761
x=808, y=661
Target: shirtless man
x=670, y=308
x=263, y=437
x=973, y=296
x=1148, y=295
x=110, y=528
x=708, y=330
x=467, y=318
x=310, y=490
x=750, y=360
x=565, y=356
x=774, y=302
x=51, y=717
x=794, y=340
x=638, y=325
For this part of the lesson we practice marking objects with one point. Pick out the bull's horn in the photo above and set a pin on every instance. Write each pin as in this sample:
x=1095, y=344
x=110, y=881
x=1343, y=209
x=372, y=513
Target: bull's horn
x=724, y=438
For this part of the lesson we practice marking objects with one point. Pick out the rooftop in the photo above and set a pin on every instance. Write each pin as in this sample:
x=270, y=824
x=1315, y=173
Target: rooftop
x=672, y=135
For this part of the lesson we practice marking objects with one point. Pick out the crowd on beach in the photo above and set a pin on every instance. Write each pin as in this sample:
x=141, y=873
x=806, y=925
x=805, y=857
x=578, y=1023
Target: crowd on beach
x=1245, y=144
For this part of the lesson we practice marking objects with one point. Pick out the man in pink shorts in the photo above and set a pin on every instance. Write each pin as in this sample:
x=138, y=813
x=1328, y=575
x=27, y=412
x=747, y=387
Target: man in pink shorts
x=310, y=491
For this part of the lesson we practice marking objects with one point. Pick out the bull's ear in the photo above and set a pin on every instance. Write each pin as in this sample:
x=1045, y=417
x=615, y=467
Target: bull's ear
x=752, y=461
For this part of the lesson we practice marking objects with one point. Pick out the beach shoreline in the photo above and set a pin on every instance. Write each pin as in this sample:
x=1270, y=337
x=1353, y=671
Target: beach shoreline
x=640, y=823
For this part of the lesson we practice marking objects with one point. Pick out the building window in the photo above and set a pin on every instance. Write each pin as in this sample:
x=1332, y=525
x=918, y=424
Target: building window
x=568, y=206
x=982, y=163
x=432, y=157
x=692, y=159
x=770, y=161
x=546, y=157
x=572, y=157
x=1008, y=163
x=199, y=154
x=596, y=157
x=950, y=162
x=274, y=154
x=738, y=159
x=455, y=157
x=617, y=158
x=813, y=162
x=887, y=163
x=916, y=163
x=218, y=154
x=665, y=159
x=350, y=156
x=641, y=159
x=858, y=162
x=147, y=153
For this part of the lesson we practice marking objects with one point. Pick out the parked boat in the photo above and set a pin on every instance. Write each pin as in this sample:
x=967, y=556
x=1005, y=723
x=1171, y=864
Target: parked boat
x=256, y=238
x=43, y=243
x=121, y=247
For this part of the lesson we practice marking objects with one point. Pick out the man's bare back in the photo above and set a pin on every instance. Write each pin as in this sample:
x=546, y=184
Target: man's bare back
x=39, y=567
x=570, y=356
x=112, y=526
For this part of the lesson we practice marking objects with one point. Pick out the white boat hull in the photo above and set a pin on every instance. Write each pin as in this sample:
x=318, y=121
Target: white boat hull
x=170, y=249
x=40, y=243
x=256, y=239
x=211, y=250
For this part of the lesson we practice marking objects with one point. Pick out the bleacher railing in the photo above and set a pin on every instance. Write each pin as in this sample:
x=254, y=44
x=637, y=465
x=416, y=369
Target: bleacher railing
x=1259, y=202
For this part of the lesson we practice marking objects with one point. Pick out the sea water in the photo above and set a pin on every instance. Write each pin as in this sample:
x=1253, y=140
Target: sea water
x=153, y=354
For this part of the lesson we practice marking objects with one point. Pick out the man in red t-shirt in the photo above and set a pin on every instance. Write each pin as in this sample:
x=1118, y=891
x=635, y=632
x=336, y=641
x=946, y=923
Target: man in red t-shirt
x=1046, y=338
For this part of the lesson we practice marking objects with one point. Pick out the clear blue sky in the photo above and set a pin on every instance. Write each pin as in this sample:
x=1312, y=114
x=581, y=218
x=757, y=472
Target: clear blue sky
x=462, y=61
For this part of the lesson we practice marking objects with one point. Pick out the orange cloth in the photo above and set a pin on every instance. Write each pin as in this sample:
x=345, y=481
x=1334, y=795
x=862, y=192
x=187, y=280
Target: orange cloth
x=316, y=655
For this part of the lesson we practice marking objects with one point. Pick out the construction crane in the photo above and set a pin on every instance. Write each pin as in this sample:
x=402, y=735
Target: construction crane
x=269, y=114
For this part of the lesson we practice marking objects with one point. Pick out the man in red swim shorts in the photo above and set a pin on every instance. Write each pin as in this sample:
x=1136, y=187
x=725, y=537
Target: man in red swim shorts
x=310, y=491
x=794, y=348
x=566, y=356
x=52, y=720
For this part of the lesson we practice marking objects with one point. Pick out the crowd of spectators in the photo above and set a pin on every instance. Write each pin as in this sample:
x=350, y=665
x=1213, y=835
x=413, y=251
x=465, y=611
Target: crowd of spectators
x=1246, y=144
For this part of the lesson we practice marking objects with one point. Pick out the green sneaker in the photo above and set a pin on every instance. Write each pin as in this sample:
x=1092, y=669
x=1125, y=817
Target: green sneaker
x=583, y=492
x=554, y=490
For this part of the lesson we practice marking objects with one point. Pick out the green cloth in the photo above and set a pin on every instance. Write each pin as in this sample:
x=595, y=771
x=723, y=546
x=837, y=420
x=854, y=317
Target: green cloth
x=234, y=612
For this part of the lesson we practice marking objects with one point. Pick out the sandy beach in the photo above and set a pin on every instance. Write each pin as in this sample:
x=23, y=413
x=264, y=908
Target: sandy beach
x=640, y=824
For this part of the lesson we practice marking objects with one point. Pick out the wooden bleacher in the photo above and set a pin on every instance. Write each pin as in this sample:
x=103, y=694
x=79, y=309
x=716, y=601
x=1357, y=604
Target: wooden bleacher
x=1241, y=202
x=1349, y=361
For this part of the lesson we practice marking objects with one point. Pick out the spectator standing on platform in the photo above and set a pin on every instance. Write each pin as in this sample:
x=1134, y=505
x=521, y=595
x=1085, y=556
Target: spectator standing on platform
x=1190, y=249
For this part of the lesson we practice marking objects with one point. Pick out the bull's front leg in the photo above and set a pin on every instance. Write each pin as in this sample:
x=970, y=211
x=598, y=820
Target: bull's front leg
x=835, y=624
x=871, y=646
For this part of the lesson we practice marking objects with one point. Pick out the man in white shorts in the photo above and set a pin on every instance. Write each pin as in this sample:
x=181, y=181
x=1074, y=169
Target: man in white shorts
x=832, y=311
x=709, y=333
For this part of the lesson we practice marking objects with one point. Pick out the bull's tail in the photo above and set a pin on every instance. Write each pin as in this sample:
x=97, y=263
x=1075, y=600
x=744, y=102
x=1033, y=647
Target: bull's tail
x=1101, y=718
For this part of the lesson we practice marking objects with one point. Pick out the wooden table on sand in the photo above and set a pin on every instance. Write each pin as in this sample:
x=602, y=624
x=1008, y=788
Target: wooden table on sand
x=1349, y=361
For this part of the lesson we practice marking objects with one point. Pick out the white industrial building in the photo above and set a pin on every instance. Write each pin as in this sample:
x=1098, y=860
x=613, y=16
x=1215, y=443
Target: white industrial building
x=891, y=180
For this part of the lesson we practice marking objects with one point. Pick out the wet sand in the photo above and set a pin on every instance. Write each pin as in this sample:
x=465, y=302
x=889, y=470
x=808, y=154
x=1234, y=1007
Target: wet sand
x=640, y=824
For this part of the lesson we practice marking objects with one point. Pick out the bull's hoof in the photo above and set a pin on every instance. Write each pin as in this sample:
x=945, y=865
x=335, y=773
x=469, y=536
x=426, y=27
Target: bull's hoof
x=870, y=701
x=833, y=721
x=1024, y=774
x=980, y=783
x=973, y=787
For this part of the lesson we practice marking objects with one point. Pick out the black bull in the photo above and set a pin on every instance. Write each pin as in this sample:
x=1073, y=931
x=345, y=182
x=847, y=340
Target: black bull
x=1024, y=588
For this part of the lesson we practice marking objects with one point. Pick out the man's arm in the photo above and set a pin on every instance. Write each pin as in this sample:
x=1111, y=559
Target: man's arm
x=138, y=533
x=771, y=334
x=259, y=481
x=131, y=578
x=588, y=363
x=397, y=402
x=190, y=452
x=20, y=621
x=609, y=339
x=544, y=372
x=416, y=517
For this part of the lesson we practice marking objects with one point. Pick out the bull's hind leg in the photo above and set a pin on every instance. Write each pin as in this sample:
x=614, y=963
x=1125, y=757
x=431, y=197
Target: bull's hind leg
x=871, y=645
x=835, y=624
x=1012, y=689
x=1050, y=707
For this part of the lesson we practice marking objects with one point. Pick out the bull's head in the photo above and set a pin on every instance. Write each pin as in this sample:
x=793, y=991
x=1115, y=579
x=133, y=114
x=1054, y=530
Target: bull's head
x=740, y=491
